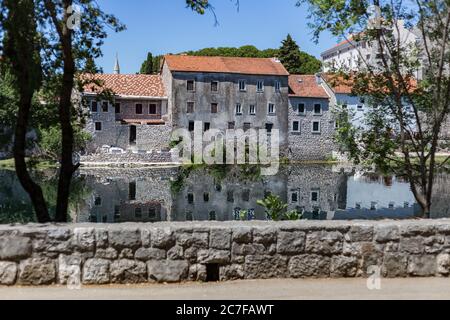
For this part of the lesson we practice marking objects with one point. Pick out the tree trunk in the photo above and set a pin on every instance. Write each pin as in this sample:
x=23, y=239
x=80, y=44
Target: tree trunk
x=33, y=189
x=65, y=117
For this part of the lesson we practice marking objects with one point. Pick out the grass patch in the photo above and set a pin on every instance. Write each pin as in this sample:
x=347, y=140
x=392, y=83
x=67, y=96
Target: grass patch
x=8, y=164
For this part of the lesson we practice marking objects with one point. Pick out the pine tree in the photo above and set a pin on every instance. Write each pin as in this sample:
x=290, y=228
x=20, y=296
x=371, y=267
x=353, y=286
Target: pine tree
x=289, y=55
x=147, y=65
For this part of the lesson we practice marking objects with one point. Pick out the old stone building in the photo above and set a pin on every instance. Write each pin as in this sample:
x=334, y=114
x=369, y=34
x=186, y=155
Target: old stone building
x=311, y=120
x=138, y=119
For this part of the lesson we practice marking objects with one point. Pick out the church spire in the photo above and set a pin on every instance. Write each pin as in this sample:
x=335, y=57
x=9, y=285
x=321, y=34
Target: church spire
x=117, y=66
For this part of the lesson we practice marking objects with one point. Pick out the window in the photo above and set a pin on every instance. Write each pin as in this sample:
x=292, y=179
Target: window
x=94, y=106
x=206, y=197
x=207, y=126
x=138, y=213
x=139, y=108
x=98, y=201
x=132, y=191
x=190, y=198
x=317, y=108
x=373, y=206
x=105, y=106
x=98, y=126
x=231, y=125
x=152, y=109
x=316, y=127
x=214, y=86
x=277, y=86
x=214, y=108
x=296, y=126
x=314, y=196
x=191, y=126
x=246, y=195
x=360, y=107
x=212, y=216
x=294, y=197
x=190, y=107
x=247, y=126
x=238, y=109
x=301, y=108
x=117, y=107
x=152, y=213
x=358, y=206
x=252, y=109
x=230, y=196
x=190, y=85
x=242, y=85
x=269, y=127
x=271, y=108
x=260, y=86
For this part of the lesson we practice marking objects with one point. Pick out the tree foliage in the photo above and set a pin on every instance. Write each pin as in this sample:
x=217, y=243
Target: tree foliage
x=403, y=126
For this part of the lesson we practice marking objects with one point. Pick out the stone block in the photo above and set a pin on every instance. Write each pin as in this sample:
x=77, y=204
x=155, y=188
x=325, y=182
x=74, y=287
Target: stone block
x=128, y=271
x=96, y=271
x=291, y=242
x=309, y=265
x=167, y=270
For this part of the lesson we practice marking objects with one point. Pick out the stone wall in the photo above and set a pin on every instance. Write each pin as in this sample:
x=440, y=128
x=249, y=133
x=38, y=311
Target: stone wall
x=171, y=252
x=304, y=144
x=129, y=159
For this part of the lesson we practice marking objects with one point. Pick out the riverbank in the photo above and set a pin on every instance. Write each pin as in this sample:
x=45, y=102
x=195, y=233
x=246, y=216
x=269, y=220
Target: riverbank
x=8, y=164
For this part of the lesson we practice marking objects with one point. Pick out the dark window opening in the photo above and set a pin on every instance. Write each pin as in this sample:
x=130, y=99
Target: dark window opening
x=247, y=126
x=98, y=126
x=190, y=107
x=214, y=108
x=105, y=107
x=212, y=272
x=133, y=135
x=317, y=109
x=207, y=126
x=190, y=85
x=295, y=126
x=98, y=201
x=117, y=107
x=212, y=216
x=269, y=127
x=138, y=213
x=301, y=108
x=231, y=125
x=152, y=109
x=214, y=86
x=132, y=191
x=94, y=106
x=294, y=197
x=230, y=196
x=206, y=197
x=152, y=213
x=246, y=195
x=191, y=126
x=139, y=108
x=190, y=198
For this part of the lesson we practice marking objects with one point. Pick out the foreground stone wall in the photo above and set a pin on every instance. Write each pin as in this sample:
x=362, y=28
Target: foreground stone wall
x=171, y=252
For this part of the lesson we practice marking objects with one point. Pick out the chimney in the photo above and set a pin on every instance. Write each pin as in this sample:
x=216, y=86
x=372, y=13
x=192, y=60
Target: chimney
x=117, y=66
x=318, y=78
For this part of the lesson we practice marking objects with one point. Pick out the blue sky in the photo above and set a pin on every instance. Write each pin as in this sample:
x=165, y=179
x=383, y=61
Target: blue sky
x=167, y=26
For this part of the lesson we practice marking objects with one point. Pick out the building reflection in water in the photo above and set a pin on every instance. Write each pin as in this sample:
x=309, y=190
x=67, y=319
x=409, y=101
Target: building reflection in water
x=231, y=193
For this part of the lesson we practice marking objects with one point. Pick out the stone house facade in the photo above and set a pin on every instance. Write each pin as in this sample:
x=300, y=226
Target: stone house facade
x=311, y=120
x=227, y=93
x=137, y=119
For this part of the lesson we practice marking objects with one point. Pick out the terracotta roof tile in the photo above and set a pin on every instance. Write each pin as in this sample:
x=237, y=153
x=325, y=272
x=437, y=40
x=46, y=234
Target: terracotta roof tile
x=251, y=66
x=139, y=85
x=306, y=86
x=339, y=84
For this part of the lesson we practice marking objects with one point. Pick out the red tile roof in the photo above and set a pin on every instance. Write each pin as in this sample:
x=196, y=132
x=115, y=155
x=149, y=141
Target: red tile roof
x=306, y=86
x=139, y=85
x=339, y=84
x=251, y=66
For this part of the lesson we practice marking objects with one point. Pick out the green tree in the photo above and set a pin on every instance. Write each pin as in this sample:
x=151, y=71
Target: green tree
x=274, y=207
x=403, y=126
x=289, y=55
x=147, y=65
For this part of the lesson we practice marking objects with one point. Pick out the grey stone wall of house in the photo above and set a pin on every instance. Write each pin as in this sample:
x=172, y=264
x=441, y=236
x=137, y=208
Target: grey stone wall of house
x=305, y=144
x=227, y=96
x=153, y=137
x=172, y=252
x=129, y=159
